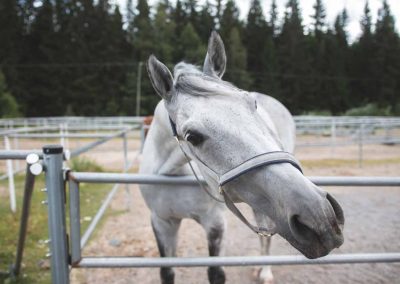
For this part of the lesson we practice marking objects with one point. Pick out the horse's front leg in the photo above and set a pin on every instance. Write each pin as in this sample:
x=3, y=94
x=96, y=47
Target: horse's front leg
x=265, y=274
x=214, y=225
x=166, y=233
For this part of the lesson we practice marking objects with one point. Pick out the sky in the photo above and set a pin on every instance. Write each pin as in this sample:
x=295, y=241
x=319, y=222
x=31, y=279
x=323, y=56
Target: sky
x=333, y=7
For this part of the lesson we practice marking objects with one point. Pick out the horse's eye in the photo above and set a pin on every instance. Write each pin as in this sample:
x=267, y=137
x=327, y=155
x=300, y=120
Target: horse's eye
x=194, y=138
x=255, y=103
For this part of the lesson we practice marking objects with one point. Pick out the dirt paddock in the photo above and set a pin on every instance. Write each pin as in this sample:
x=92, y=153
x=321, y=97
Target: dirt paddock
x=372, y=225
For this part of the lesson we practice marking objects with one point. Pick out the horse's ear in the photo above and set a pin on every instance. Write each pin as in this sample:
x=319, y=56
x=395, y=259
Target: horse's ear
x=215, y=62
x=160, y=78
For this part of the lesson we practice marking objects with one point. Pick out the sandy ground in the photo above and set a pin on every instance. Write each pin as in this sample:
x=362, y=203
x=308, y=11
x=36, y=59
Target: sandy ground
x=372, y=224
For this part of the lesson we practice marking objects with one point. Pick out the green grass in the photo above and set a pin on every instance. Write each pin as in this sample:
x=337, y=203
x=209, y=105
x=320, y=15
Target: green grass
x=83, y=164
x=35, y=249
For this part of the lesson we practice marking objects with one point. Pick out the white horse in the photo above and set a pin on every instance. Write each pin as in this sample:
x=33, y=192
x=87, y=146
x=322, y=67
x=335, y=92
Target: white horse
x=225, y=131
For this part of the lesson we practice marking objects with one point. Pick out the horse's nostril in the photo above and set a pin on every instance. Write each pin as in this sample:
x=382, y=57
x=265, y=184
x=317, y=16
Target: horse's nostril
x=301, y=231
x=337, y=209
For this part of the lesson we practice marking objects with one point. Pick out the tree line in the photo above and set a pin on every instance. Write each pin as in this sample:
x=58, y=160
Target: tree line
x=82, y=57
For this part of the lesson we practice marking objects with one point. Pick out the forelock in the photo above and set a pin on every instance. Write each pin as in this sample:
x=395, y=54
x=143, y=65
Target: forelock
x=189, y=79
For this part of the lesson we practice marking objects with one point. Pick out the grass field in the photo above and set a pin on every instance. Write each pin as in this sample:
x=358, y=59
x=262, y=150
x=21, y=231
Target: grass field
x=35, y=266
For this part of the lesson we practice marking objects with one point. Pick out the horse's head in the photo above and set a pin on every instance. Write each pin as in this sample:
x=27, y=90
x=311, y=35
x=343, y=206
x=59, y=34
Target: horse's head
x=221, y=127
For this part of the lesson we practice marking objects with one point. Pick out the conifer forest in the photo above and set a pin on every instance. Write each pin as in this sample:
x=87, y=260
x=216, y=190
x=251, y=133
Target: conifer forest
x=84, y=57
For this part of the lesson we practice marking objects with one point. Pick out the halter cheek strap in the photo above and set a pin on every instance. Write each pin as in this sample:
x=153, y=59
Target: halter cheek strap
x=264, y=159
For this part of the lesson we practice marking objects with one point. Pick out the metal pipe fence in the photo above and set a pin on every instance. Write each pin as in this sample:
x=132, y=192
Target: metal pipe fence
x=66, y=251
x=190, y=180
x=97, y=262
x=9, y=155
x=129, y=262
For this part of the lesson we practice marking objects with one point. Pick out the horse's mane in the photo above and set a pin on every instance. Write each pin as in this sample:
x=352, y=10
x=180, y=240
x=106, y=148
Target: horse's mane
x=189, y=79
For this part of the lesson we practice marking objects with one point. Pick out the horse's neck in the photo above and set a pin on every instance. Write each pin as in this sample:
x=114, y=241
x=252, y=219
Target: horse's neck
x=161, y=154
x=279, y=119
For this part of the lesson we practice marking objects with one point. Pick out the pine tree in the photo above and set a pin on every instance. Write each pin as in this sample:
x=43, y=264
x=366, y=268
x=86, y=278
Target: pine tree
x=273, y=21
x=229, y=20
x=387, y=59
x=366, y=22
x=256, y=37
x=206, y=22
x=179, y=17
x=8, y=104
x=42, y=97
x=318, y=56
x=142, y=39
x=364, y=87
x=237, y=61
x=164, y=32
x=12, y=43
x=192, y=49
x=293, y=62
x=337, y=91
x=319, y=16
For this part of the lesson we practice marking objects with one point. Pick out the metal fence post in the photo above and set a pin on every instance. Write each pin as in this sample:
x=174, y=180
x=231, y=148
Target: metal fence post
x=333, y=136
x=126, y=166
x=360, y=145
x=26, y=205
x=10, y=173
x=53, y=161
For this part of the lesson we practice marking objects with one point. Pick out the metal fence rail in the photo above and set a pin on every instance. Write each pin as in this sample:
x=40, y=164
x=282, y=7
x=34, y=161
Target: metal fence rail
x=190, y=180
x=121, y=262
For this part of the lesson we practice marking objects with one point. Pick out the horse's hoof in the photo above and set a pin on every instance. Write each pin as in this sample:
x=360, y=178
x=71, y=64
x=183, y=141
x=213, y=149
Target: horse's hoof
x=263, y=275
x=216, y=275
x=167, y=275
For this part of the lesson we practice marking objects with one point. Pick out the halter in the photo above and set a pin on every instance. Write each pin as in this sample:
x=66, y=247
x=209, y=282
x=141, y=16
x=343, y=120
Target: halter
x=264, y=159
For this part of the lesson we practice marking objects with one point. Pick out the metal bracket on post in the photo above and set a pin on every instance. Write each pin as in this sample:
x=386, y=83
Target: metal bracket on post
x=53, y=161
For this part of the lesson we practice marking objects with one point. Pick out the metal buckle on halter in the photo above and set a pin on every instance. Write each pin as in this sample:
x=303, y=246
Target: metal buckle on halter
x=264, y=234
x=220, y=189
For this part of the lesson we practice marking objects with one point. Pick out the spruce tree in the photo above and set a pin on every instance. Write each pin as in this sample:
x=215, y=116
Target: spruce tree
x=363, y=86
x=42, y=98
x=337, y=92
x=191, y=47
x=273, y=21
x=237, y=61
x=229, y=20
x=317, y=53
x=387, y=59
x=293, y=62
x=164, y=32
x=256, y=36
x=206, y=22
x=8, y=104
x=319, y=16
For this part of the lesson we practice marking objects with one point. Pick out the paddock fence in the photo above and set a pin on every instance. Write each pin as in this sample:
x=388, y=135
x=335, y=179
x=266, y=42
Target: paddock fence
x=98, y=130
x=65, y=249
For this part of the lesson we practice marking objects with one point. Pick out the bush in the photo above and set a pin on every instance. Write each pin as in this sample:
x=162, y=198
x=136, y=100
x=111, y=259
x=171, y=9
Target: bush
x=8, y=104
x=82, y=164
x=369, y=110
